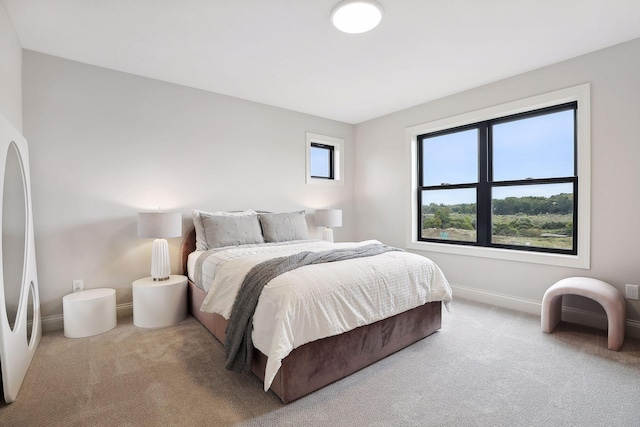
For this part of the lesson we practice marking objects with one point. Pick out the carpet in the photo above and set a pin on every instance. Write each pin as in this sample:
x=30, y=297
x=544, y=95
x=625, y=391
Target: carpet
x=487, y=366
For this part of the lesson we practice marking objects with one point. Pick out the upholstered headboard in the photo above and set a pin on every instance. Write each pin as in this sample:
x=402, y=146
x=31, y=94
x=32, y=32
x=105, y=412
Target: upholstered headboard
x=188, y=246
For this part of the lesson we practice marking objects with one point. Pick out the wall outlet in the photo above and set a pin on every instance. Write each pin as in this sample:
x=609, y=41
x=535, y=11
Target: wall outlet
x=632, y=292
x=78, y=285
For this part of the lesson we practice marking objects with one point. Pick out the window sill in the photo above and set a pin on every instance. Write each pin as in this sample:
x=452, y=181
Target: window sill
x=573, y=261
x=320, y=181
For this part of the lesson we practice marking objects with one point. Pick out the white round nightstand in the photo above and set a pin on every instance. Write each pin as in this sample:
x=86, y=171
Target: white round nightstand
x=158, y=304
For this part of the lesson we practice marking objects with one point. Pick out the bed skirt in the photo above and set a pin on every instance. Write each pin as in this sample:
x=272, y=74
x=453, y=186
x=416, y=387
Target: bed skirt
x=319, y=363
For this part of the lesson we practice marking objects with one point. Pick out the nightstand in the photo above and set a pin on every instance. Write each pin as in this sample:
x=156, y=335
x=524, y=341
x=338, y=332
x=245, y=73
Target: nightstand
x=89, y=312
x=158, y=304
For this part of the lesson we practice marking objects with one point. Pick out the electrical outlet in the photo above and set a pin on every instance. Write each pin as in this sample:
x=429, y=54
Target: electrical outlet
x=78, y=285
x=632, y=291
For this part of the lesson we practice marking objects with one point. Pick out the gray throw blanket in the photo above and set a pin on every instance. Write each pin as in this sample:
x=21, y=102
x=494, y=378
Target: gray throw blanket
x=238, y=345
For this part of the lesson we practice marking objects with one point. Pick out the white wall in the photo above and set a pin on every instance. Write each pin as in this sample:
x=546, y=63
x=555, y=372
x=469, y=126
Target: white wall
x=382, y=179
x=105, y=145
x=10, y=71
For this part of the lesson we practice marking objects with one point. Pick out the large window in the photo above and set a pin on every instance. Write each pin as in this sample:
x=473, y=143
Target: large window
x=507, y=182
x=512, y=181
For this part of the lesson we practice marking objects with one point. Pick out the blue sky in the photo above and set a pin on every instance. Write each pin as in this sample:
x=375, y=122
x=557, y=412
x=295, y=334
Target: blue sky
x=537, y=147
x=319, y=162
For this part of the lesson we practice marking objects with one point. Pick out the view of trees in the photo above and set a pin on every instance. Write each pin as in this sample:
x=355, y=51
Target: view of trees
x=442, y=218
x=538, y=221
x=561, y=204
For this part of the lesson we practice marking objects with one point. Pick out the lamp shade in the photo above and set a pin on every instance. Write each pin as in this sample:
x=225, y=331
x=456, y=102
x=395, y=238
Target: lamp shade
x=329, y=217
x=159, y=224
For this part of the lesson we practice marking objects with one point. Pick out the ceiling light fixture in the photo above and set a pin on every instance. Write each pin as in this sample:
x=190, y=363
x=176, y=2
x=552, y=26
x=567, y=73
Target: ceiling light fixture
x=357, y=16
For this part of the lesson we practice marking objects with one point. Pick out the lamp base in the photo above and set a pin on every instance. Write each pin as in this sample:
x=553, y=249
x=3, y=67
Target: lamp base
x=160, y=263
x=327, y=234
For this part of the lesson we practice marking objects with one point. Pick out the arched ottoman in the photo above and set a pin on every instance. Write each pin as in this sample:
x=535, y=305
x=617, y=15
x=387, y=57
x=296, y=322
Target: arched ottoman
x=606, y=295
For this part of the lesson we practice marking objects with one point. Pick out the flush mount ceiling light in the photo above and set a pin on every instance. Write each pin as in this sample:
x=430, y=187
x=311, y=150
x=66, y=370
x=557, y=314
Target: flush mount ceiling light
x=357, y=16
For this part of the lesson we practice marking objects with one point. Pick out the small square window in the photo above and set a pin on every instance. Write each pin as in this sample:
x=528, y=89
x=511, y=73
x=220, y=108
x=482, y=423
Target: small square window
x=325, y=160
x=321, y=161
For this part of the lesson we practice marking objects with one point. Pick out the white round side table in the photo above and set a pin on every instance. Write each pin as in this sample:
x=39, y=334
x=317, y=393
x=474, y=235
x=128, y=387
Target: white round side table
x=89, y=312
x=158, y=304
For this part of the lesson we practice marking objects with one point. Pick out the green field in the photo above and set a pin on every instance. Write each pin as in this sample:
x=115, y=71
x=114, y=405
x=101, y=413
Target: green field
x=545, y=231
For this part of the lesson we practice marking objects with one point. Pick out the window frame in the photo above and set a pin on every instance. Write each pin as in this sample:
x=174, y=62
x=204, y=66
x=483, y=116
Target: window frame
x=579, y=257
x=337, y=145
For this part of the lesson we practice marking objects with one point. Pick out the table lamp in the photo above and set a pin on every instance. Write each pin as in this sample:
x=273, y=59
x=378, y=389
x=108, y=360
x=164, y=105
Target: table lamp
x=328, y=218
x=160, y=225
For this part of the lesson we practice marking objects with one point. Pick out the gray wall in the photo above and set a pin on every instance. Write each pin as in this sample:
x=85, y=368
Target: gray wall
x=10, y=72
x=382, y=187
x=105, y=145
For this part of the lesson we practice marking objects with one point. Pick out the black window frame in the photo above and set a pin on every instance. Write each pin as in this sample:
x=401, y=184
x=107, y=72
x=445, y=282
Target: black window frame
x=485, y=182
x=330, y=149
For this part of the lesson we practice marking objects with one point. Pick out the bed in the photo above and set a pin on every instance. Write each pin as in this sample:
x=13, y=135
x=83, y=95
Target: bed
x=309, y=366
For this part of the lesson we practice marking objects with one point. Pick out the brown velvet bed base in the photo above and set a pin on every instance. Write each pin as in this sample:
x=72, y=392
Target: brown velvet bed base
x=319, y=363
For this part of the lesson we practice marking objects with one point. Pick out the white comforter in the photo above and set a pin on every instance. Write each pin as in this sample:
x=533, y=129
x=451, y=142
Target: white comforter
x=318, y=301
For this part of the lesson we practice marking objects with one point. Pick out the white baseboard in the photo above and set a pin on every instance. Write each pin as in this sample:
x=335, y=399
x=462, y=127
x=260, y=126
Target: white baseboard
x=569, y=314
x=493, y=298
x=56, y=322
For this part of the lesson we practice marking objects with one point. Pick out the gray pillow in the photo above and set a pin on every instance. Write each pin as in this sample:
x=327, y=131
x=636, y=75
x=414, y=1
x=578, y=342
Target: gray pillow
x=283, y=227
x=234, y=230
x=201, y=241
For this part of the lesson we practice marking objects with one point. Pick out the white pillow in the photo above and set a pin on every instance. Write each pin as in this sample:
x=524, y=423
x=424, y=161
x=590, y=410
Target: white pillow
x=201, y=239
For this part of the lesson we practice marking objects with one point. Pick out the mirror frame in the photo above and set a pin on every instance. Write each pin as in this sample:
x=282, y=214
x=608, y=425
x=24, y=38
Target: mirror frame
x=13, y=259
x=16, y=351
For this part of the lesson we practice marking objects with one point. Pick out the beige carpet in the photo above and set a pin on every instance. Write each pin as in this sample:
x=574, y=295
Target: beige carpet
x=486, y=367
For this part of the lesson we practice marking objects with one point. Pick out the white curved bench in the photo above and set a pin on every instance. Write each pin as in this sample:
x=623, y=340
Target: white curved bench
x=606, y=295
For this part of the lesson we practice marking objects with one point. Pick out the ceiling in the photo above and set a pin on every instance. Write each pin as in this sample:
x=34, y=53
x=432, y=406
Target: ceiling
x=286, y=53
